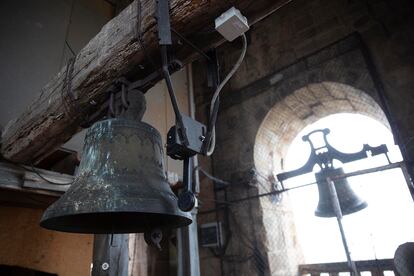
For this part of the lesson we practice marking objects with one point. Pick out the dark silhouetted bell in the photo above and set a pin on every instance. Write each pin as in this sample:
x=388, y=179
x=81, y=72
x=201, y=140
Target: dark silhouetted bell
x=120, y=186
x=348, y=200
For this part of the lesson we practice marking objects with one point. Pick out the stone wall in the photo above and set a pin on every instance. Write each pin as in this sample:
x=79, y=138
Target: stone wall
x=308, y=60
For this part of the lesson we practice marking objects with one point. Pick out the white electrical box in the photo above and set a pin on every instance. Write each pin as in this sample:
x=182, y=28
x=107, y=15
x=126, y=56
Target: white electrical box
x=231, y=24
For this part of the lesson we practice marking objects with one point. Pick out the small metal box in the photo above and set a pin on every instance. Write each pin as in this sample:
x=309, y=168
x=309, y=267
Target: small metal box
x=211, y=235
x=231, y=24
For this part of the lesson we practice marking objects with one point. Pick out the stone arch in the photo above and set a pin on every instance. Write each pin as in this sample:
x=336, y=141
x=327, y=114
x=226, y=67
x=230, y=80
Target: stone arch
x=302, y=107
x=282, y=123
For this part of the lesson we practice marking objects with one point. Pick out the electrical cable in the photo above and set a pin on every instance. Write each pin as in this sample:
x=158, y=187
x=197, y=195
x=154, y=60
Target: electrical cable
x=70, y=48
x=216, y=94
x=215, y=179
x=47, y=180
x=32, y=169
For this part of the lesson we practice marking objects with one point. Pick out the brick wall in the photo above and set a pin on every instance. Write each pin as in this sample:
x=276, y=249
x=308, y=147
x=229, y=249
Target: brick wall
x=308, y=60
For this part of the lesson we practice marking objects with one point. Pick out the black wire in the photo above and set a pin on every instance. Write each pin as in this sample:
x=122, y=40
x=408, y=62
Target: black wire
x=138, y=34
x=48, y=180
x=70, y=48
x=67, y=33
x=235, y=201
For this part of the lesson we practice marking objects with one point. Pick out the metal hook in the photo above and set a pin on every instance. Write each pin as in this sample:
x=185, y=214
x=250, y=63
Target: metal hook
x=111, y=109
x=124, y=98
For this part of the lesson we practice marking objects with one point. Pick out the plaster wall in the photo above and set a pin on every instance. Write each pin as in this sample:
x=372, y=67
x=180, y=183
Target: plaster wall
x=25, y=244
x=32, y=50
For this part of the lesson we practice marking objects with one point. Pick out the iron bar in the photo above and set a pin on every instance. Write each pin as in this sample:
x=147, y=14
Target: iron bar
x=338, y=213
x=167, y=77
x=192, y=45
x=370, y=170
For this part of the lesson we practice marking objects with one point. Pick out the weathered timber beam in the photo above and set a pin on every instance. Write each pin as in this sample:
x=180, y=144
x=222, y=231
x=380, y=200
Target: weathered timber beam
x=54, y=117
x=20, y=178
x=20, y=186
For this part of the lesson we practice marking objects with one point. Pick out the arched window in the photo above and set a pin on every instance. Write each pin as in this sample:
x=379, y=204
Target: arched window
x=374, y=232
x=290, y=225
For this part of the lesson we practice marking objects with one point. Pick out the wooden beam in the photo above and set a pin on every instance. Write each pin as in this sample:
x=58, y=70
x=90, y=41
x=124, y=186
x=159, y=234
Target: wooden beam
x=22, y=178
x=54, y=117
x=22, y=187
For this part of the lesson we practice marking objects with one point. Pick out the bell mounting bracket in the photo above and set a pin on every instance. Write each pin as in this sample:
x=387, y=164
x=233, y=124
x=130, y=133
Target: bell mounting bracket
x=186, y=138
x=324, y=155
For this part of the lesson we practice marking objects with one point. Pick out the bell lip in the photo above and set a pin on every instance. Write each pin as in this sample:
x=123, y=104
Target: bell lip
x=56, y=223
x=360, y=207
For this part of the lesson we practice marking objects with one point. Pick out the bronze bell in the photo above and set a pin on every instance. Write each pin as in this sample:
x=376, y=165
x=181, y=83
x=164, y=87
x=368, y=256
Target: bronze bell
x=348, y=200
x=120, y=186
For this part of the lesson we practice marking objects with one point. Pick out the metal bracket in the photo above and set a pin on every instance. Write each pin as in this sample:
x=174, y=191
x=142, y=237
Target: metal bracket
x=163, y=22
x=184, y=138
x=323, y=156
x=213, y=80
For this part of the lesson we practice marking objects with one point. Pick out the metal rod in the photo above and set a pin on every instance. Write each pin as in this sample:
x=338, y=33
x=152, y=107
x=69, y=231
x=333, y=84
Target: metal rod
x=179, y=120
x=407, y=179
x=187, y=171
x=370, y=170
x=213, y=69
x=192, y=45
x=337, y=208
x=191, y=107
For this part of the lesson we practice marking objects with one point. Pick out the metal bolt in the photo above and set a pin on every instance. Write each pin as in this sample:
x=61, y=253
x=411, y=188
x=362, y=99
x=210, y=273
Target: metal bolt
x=105, y=266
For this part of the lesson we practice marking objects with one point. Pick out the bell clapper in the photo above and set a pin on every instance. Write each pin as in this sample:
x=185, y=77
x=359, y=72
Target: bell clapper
x=186, y=201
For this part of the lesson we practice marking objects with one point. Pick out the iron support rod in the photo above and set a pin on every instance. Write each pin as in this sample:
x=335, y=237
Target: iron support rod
x=191, y=107
x=192, y=45
x=188, y=258
x=370, y=170
x=407, y=178
x=179, y=120
x=338, y=213
x=187, y=177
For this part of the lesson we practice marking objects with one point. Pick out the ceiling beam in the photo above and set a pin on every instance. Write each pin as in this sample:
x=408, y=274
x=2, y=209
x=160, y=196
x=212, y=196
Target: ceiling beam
x=55, y=116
